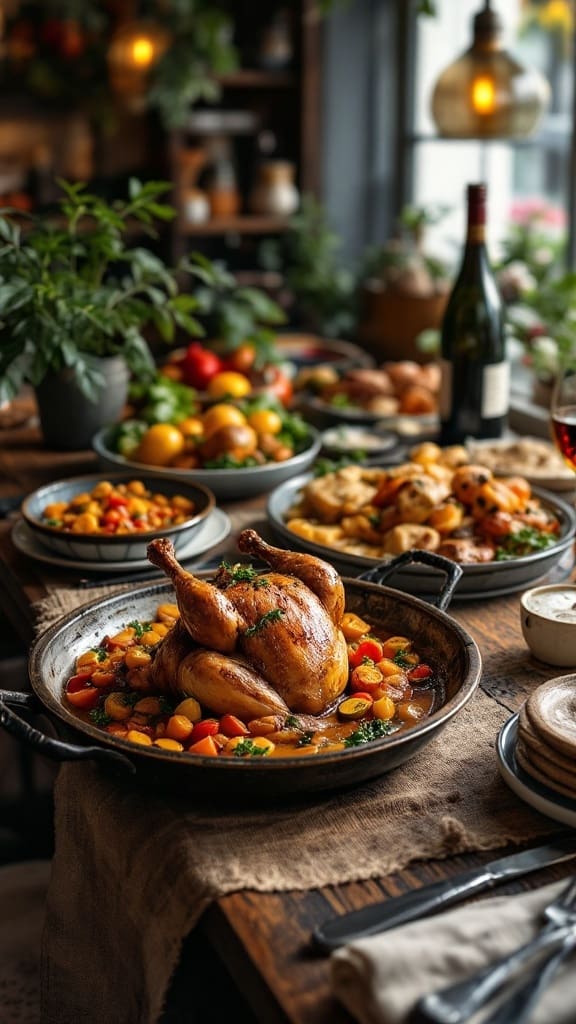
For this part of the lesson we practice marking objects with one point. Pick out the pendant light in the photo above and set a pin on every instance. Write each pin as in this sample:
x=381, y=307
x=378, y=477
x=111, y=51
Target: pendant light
x=486, y=93
x=136, y=46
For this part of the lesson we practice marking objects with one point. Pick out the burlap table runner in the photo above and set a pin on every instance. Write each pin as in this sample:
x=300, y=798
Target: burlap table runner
x=134, y=869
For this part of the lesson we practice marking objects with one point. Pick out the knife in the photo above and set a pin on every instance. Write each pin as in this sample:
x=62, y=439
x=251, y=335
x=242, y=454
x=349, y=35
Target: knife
x=411, y=905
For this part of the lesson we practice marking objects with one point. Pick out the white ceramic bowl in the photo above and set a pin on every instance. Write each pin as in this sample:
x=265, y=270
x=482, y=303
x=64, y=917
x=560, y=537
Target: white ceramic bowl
x=548, y=619
x=95, y=547
x=224, y=483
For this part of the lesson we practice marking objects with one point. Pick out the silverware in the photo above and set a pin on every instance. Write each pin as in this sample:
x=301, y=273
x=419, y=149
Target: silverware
x=431, y=898
x=518, y=1007
x=457, y=1003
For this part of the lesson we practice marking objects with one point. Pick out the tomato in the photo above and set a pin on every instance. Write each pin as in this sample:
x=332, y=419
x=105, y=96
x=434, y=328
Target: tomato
x=366, y=678
x=222, y=415
x=232, y=726
x=80, y=693
x=241, y=359
x=207, y=727
x=371, y=649
x=200, y=365
x=419, y=673
x=117, y=501
x=159, y=445
x=227, y=383
x=265, y=421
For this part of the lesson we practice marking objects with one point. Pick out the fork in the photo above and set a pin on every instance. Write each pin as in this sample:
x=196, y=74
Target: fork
x=457, y=1003
x=519, y=1005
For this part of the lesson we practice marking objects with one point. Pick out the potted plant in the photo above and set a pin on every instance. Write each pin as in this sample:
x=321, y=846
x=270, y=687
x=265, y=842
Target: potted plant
x=75, y=300
x=403, y=289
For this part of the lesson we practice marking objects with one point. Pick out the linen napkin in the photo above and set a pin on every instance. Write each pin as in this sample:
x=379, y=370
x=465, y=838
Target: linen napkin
x=380, y=979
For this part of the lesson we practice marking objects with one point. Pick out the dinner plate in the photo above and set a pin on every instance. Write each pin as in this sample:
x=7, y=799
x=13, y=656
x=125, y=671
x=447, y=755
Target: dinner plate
x=480, y=580
x=543, y=799
x=557, y=478
x=212, y=532
x=410, y=427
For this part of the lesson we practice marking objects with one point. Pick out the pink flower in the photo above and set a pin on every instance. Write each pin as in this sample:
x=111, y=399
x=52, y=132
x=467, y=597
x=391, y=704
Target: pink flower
x=525, y=211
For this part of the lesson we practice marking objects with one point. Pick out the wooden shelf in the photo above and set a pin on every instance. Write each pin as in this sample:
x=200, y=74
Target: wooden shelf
x=245, y=225
x=253, y=78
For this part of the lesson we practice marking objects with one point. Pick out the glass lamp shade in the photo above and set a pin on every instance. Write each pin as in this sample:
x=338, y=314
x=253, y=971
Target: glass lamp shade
x=134, y=49
x=485, y=93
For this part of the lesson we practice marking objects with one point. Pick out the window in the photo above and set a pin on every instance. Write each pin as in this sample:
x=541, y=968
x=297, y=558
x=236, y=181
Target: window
x=522, y=176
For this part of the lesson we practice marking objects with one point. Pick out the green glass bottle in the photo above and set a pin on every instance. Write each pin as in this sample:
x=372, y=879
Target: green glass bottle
x=475, y=390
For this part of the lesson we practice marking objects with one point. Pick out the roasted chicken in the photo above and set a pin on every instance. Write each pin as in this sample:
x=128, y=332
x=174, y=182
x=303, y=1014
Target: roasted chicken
x=256, y=643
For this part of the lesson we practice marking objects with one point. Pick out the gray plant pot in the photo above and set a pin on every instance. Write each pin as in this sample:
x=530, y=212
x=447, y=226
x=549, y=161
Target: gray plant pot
x=68, y=420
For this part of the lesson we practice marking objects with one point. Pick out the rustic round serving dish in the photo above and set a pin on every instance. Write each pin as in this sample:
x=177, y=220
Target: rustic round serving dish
x=486, y=579
x=442, y=641
x=224, y=483
x=97, y=547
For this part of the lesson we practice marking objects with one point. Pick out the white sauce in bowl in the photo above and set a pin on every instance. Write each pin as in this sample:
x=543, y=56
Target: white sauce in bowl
x=553, y=604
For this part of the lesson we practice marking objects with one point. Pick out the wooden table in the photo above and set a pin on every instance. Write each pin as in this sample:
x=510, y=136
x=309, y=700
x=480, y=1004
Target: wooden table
x=264, y=938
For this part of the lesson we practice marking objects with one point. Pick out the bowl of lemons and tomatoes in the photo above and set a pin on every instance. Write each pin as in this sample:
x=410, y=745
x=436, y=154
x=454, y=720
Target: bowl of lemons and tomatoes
x=236, y=448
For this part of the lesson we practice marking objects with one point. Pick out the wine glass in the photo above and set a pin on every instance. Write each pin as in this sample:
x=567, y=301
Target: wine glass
x=563, y=415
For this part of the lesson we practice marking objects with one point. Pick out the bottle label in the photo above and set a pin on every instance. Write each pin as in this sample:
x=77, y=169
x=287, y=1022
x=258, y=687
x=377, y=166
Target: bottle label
x=495, y=390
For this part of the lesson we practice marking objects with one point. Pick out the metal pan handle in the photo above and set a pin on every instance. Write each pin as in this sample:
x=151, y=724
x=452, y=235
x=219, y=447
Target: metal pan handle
x=452, y=571
x=56, y=750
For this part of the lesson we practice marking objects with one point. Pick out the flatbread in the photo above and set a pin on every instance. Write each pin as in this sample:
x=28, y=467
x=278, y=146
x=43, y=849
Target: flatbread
x=551, y=710
x=523, y=758
x=536, y=744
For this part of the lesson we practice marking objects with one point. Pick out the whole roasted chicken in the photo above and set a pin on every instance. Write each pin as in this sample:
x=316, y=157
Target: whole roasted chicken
x=254, y=643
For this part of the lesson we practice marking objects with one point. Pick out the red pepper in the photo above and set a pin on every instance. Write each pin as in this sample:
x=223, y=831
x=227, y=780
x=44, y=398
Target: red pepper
x=419, y=673
x=206, y=727
x=116, y=501
x=200, y=365
x=371, y=649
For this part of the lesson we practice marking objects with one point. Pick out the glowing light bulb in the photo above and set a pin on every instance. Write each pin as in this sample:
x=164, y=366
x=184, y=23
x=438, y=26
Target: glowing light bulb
x=142, y=51
x=483, y=95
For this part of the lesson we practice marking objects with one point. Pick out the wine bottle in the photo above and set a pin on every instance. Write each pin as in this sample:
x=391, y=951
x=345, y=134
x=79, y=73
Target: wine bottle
x=474, y=395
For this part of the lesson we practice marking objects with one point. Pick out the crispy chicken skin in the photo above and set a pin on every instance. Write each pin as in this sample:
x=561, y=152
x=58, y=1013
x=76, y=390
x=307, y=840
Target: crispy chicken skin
x=281, y=628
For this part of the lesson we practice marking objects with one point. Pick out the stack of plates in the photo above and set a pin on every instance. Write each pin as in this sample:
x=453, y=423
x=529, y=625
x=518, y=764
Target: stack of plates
x=537, y=750
x=546, y=746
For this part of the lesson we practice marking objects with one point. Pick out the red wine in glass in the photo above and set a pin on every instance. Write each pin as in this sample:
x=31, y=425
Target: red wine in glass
x=564, y=432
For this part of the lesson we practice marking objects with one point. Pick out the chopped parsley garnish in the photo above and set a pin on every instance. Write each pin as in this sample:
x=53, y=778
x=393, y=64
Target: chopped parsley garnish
x=272, y=616
x=373, y=729
x=291, y=722
x=239, y=573
x=524, y=542
x=140, y=628
x=305, y=740
x=401, y=658
x=247, y=748
x=53, y=522
x=99, y=717
x=100, y=653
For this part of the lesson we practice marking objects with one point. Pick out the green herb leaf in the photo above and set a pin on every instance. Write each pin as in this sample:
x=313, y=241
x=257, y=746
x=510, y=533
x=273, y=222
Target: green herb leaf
x=524, y=542
x=140, y=628
x=274, y=615
x=247, y=748
x=368, y=731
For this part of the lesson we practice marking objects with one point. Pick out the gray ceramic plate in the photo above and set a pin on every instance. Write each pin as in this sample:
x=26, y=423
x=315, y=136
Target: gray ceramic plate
x=490, y=579
x=224, y=483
